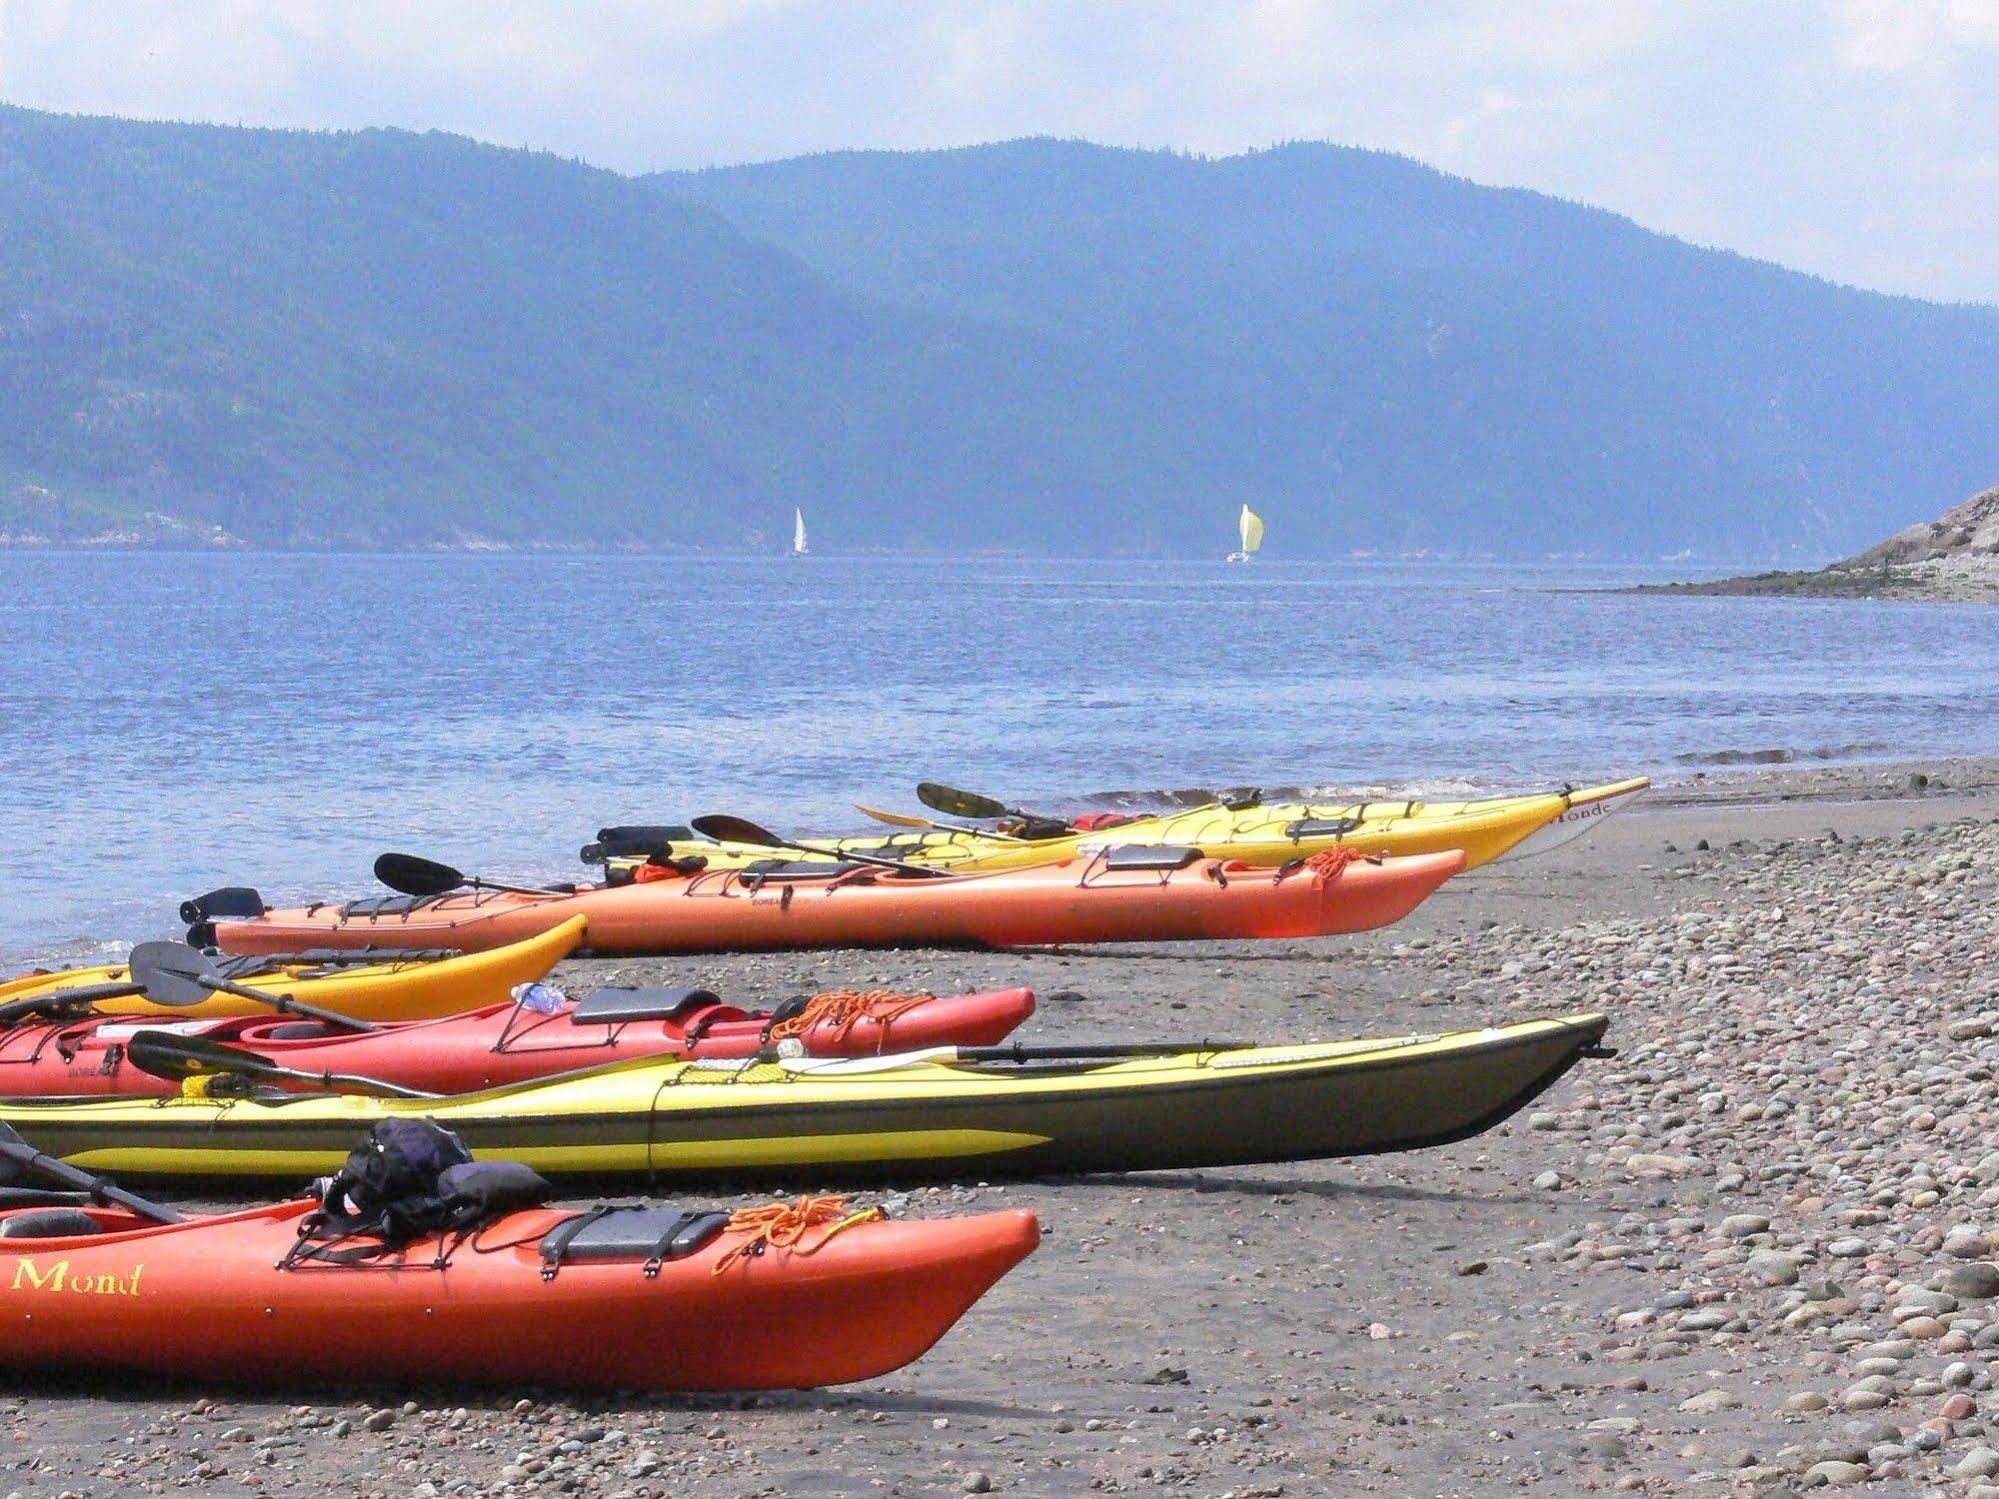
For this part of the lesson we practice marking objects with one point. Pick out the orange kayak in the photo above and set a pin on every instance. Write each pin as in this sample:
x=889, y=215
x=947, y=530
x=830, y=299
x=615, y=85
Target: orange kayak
x=773, y=1299
x=1148, y=894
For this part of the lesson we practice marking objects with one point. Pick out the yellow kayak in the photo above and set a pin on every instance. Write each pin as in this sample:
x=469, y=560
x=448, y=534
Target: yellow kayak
x=1269, y=833
x=922, y=1113
x=395, y=988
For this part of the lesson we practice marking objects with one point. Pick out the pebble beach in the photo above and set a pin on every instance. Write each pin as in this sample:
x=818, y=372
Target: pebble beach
x=1756, y=1252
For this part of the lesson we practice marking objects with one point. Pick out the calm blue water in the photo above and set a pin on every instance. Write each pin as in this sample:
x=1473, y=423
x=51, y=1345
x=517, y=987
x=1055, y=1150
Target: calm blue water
x=169, y=723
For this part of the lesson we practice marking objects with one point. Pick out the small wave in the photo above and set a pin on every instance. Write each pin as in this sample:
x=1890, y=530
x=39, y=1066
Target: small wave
x=77, y=952
x=1778, y=755
x=1737, y=757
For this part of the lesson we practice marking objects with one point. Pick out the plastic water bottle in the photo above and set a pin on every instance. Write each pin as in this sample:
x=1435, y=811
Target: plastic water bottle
x=542, y=999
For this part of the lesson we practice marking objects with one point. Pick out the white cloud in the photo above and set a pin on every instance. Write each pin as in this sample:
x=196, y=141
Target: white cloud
x=1889, y=36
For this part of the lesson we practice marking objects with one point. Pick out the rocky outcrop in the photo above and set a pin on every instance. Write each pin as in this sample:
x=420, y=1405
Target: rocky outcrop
x=1952, y=559
x=1967, y=535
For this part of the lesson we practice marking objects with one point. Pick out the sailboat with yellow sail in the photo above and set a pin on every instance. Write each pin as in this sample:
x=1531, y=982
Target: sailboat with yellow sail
x=1251, y=527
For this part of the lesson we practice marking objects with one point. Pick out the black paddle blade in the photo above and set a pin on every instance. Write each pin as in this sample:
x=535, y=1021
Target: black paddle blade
x=172, y=973
x=60, y=1005
x=409, y=875
x=958, y=803
x=231, y=901
x=178, y=1058
x=723, y=828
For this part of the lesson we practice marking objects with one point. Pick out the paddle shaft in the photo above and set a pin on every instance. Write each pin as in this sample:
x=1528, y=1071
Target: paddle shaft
x=348, y=1081
x=830, y=851
x=179, y=1058
x=725, y=829
x=412, y=874
x=1019, y=1052
x=284, y=1004
x=21, y=1009
x=910, y=820
x=100, y=1188
x=473, y=882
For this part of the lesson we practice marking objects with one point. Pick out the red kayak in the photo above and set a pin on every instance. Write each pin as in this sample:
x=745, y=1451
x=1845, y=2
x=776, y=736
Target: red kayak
x=1137, y=894
x=511, y=1043
x=641, y=1298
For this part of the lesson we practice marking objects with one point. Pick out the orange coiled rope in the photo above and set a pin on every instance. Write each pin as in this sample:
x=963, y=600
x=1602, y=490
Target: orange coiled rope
x=1331, y=862
x=843, y=1009
x=784, y=1225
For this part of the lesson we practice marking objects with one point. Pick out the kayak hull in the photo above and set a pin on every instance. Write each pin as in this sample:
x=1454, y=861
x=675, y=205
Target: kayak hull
x=205, y=1296
x=486, y=1048
x=390, y=990
x=881, y=1118
x=1078, y=901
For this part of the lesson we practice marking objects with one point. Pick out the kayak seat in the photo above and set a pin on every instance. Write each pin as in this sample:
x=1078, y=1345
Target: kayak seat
x=636, y=1232
x=1320, y=827
x=617, y=1006
x=387, y=905
x=1154, y=856
x=297, y=1030
x=50, y=1223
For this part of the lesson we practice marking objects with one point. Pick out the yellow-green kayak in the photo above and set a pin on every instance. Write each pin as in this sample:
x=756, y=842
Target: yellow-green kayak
x=922, y=1114
x=1271, y=833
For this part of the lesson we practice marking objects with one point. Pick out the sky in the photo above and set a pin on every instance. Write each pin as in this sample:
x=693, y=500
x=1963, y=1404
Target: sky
x=1858, y=139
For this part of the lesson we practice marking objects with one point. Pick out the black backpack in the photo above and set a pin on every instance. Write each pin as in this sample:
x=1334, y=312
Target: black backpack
x=409, y=1179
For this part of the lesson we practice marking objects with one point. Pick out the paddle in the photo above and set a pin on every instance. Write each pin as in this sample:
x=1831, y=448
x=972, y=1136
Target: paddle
x=1017, y=1052
x=59, y=1003
x=970, y=804
x=726, y=829
x=905, y=820
x=940, y=798
x=175, y=975
x=100, y=1188
x=407, y=874
x=1020, y=1052
x=178, y=1058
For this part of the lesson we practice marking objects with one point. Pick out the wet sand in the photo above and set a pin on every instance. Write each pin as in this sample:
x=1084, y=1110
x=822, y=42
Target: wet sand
x=1691, y=1268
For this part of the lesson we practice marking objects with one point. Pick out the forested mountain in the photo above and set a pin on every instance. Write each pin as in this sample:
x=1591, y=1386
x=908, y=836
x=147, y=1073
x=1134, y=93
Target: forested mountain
x=381, y=338
x=1376, y=354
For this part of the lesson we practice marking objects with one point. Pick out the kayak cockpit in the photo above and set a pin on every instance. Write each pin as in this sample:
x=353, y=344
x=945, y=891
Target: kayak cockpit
x=36, y=1224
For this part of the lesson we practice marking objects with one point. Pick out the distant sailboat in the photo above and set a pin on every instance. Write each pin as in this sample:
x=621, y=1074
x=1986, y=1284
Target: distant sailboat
x=1251, y=526
x=797, y=532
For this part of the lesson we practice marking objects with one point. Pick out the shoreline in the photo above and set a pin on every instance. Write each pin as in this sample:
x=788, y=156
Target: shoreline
x=1722, y=1261
x=1753, y=783
x=1907, y=584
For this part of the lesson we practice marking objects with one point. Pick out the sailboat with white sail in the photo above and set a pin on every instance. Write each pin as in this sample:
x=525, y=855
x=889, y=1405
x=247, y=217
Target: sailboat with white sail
x=1250, y=526
x=797, y=532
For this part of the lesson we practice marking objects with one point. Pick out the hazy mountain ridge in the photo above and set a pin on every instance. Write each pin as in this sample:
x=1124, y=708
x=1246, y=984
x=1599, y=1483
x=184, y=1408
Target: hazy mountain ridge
x=379, y=338
x=1494, y=363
